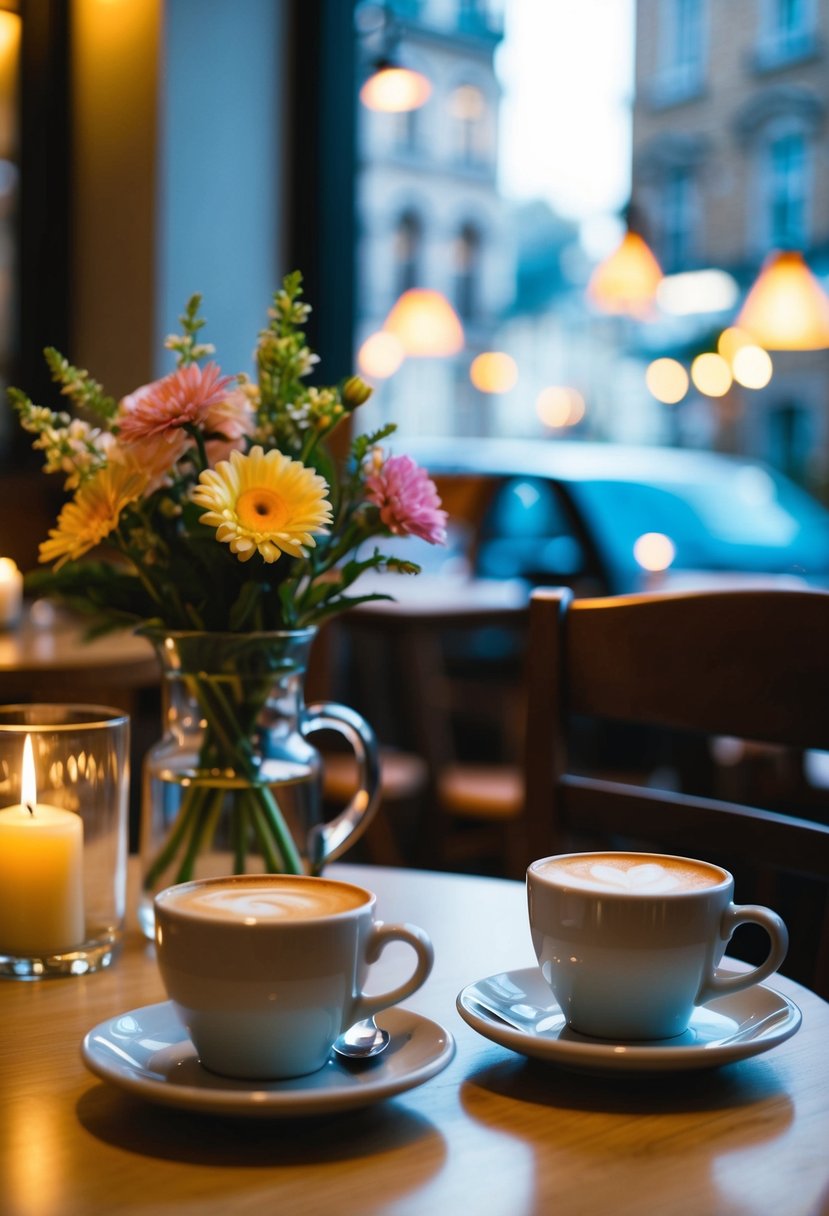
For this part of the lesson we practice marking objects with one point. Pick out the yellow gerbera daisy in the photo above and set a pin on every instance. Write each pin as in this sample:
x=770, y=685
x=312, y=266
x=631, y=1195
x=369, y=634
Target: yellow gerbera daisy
x=264, y=501
x=93, y=513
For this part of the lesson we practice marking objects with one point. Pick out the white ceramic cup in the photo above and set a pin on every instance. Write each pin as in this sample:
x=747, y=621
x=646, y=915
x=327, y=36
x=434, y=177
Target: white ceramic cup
x=265, y=971
x=630, y=943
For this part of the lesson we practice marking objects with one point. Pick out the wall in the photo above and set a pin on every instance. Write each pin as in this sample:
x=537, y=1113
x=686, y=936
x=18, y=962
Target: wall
x=220, y=177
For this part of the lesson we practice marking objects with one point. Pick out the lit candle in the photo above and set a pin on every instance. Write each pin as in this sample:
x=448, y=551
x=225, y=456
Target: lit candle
x=11, y=592
x=41, y=873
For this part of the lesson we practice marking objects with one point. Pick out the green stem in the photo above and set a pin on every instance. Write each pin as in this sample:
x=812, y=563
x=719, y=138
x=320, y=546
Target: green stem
x=186, y=821
x=227, y=744
x=202, y=833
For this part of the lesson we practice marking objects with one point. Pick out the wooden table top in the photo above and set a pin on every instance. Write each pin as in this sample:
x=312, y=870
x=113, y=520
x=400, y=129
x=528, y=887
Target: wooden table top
x=494, y=1133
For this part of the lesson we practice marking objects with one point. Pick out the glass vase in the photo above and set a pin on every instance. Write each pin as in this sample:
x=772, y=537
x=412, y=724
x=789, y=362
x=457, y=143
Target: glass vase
x=234, y=786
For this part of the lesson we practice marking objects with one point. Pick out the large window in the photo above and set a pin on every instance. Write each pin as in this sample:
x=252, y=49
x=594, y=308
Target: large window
x=682, y=50
x=787, y=31
x=785, y=171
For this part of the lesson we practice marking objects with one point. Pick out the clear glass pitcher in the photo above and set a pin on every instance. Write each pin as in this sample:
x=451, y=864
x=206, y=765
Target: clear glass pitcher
x=234, y=786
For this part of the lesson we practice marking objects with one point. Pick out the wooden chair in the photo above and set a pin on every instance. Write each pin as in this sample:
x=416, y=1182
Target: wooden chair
x=752, y=664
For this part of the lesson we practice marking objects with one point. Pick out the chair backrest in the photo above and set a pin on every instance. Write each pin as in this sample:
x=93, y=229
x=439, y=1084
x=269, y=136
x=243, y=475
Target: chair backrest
x=751, y=663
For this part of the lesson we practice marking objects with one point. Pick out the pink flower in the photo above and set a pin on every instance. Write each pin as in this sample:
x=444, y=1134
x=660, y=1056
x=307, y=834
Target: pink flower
x=183, y=397
x=408, y=500
x=230, y=421
x=155, y=457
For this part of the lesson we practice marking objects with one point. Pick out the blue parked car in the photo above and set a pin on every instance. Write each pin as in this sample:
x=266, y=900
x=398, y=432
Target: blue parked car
x=562, y=512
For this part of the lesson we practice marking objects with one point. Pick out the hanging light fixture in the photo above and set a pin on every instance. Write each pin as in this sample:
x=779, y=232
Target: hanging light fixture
x=393, y=89
x=786, y=309
x=425, y=324
x=627, y=280
x=392, y=86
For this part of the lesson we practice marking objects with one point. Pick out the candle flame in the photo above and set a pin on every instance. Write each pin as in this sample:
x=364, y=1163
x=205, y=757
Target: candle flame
x=28, y=781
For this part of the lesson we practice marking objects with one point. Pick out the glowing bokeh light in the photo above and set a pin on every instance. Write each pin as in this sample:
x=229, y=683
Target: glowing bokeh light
x=425, y=324
x=393, y=90
x=752, y=367
x=558, y=406
x=654, y=551
x=731, y=340
x=711, y=374
x=667, y=380
x=494, y=372
x=380, y=355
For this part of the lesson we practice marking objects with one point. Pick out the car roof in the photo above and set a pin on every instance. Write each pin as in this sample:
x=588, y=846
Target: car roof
x=571, y=460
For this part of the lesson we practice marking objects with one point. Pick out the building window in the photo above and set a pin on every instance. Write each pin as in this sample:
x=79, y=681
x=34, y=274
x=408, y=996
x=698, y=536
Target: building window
x=407, y=130
x=682, y=51
x=677, y=241
x=787, y=31
x=468, y=111
x=784, y=184
x=408, y=244
x=467, y=257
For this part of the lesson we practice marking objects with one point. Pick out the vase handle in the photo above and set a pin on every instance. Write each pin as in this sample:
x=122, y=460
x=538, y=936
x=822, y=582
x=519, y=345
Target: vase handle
x=329, y=840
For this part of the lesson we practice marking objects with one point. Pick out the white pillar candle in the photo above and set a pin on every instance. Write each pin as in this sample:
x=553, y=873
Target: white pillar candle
x=41, y=874
x=11, y=592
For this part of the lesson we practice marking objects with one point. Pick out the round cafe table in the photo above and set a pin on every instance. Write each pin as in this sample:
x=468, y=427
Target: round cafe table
x=494, y=1133
x=48, y=657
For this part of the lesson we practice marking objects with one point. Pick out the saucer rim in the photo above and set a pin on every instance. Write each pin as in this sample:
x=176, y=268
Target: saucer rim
x=605, y=1056
x=254, y=1099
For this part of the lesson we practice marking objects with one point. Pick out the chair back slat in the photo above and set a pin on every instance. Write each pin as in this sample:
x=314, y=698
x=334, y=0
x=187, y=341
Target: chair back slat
x=751, y=664
x=695, y=662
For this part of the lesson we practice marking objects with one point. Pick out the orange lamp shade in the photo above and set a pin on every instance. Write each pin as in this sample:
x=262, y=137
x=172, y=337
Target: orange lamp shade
x=786, y=309
x=425, y=324
x=626, y=282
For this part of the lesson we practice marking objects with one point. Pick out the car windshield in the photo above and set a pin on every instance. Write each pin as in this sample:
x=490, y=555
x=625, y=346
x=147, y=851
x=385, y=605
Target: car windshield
x=749, y=520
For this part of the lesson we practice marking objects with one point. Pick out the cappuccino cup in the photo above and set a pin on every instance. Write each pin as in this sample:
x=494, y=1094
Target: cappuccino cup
x=265, y=971
x=630, y=943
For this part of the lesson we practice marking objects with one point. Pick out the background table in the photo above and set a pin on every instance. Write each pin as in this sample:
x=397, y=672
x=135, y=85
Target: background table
x=48, y=657
x=493, y=1134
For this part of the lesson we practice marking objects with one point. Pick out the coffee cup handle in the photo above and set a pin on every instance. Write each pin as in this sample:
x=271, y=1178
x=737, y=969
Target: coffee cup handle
x=739, y=914
x=381, y=935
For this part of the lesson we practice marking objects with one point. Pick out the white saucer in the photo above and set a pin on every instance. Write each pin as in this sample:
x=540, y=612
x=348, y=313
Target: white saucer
x=147, y=1052
x=729, y=1028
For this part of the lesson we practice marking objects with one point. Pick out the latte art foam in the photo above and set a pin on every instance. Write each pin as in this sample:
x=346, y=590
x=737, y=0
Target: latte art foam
x=632, y=874
x=266, y=901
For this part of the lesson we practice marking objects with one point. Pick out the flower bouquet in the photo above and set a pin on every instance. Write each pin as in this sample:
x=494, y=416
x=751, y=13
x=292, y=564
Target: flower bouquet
x=211, y=512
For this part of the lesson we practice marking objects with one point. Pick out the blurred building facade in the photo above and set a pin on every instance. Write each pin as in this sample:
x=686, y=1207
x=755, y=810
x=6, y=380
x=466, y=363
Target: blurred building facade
x=731, y=161
x=428, y=209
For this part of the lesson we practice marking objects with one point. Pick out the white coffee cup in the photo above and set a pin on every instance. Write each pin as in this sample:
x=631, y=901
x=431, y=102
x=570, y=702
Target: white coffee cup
x=630, y=943
x=265, y=971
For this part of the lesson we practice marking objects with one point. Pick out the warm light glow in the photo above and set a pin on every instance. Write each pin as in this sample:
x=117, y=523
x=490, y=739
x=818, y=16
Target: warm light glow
x=786, y=309
x=467, y=103
x=494, y=372
x=730, y=341
x=626, y=282
x=393, y=90
x=711, y=374
x=667, y=380
x=654, y=551
x=752, y=367
x=380, y=356
x=697, y=291
x=9, y=68
x=425, y=324
x=558, y=406
x=28, y=780
x=9, y=33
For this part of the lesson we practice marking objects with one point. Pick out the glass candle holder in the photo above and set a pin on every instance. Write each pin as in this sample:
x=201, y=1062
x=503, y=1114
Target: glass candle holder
x=64, y=781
